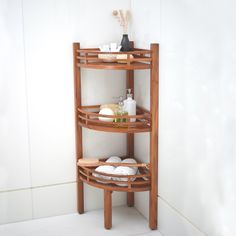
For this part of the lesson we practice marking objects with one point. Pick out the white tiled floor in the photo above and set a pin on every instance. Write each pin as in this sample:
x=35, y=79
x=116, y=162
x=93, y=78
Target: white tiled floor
x=126, y=222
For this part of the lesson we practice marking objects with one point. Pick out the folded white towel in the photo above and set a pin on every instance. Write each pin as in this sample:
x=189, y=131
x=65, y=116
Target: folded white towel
x=107, y=169
x=104, y=169
x=114, y=159
x=125, y=170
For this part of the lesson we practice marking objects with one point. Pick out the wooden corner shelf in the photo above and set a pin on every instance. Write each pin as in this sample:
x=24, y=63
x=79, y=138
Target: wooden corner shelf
x=146, y=121
x=89, y=118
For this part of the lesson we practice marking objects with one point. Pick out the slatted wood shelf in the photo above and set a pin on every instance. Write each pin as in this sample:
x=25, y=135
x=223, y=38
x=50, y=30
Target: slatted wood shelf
x=88, y=117
x=141, y=182
x=89, y=58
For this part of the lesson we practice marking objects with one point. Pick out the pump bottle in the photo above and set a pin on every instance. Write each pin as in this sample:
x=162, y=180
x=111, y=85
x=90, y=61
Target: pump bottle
x=130, y=105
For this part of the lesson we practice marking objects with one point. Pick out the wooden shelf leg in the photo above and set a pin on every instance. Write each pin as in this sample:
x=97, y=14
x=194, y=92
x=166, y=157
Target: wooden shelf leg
x=154, y=138
x=130, y=199
x=80, y=194
x=78, y=130
x=107, y=209
x=152, y=210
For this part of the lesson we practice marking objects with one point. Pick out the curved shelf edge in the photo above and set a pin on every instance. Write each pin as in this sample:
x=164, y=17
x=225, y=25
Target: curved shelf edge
x=115, y=129
x=115, y=66
x=113, y=187
x=88, y=117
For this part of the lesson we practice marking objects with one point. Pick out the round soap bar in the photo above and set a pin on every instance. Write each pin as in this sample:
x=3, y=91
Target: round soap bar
x=106, y=111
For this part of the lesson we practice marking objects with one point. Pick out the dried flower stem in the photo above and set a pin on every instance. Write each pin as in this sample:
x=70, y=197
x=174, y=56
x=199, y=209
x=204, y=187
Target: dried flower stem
x=123, y=17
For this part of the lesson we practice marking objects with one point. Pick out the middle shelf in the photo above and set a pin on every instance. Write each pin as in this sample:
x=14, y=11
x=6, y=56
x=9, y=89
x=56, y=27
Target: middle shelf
x=88, y=116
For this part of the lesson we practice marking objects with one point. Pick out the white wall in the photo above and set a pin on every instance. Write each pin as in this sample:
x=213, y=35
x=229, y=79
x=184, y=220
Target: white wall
x=14, y=145
x=37, y=153
x=197, y=194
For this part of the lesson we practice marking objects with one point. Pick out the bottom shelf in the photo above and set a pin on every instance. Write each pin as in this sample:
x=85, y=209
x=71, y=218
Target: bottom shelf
x=124, y=183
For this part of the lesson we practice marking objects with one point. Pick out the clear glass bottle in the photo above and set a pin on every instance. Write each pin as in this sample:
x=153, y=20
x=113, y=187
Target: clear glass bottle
x=120, y=111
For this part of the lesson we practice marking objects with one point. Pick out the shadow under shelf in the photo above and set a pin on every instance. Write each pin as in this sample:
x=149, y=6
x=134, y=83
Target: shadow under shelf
x=88, y=117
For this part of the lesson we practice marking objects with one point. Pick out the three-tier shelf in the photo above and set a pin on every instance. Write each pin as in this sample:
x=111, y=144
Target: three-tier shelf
x=146, y=121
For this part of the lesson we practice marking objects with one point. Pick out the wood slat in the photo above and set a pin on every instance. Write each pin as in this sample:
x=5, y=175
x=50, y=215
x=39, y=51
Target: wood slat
x=115, y=66
x=110, y=181
x=97, y=51
x=89, y=119
x=114, y=124
x=111, y=116
x=113, y=187
x=116, y=129
x=91, y=171
x=96, y=59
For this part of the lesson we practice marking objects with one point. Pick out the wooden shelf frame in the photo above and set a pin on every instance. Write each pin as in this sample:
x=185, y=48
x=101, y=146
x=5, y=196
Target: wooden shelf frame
x=143, y=59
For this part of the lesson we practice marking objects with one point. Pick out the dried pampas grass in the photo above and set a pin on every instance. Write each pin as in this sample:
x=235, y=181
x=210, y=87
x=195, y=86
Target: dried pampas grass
x=123, y=17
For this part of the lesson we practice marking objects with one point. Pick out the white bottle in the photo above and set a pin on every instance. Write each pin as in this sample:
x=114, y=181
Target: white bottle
x=130, y=105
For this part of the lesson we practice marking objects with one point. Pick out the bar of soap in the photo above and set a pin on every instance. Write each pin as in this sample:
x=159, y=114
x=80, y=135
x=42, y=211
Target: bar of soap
x=106, y=111
x=88, y=162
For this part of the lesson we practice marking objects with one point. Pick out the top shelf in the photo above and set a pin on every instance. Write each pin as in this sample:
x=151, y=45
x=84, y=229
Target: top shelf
x=93, y=58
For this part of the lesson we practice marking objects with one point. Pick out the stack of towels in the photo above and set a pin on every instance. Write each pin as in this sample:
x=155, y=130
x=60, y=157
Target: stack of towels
x=120, y=170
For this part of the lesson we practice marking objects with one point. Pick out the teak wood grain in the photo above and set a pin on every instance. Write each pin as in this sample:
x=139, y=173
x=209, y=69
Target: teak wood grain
x=144, y=186
x=115, y=66
x=78, y=130
x=107, y=209
x=154, y=137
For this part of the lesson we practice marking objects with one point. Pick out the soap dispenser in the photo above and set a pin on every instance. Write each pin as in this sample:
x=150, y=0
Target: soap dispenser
x=130, y=105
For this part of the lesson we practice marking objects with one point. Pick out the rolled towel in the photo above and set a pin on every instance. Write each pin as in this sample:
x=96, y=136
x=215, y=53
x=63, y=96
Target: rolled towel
x=125, y=170
x=114, y=159
x=104, y=169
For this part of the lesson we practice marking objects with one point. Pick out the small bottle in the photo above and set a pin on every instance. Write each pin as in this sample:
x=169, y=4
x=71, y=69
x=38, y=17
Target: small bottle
x=120, y=111
x=130, y=105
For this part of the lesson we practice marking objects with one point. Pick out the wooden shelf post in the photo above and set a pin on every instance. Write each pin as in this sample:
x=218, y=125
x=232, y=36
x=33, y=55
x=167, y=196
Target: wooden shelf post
x=107, y=209
x=154, y=137
x=78, y=129
x=130, y=137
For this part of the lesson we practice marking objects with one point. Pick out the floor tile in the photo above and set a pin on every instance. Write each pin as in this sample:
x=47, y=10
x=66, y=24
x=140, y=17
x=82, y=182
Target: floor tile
x=126, y=222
